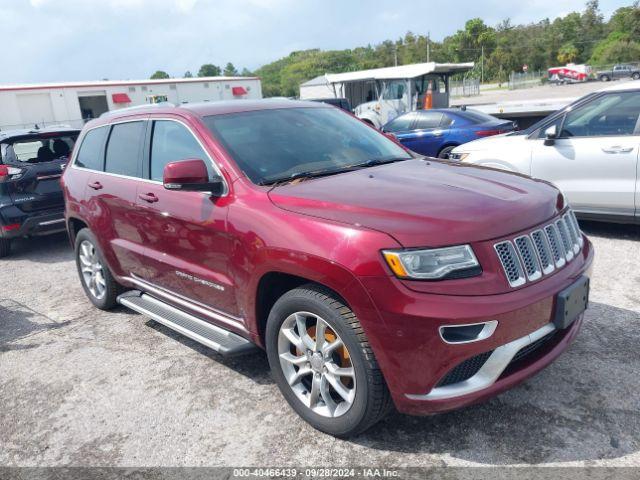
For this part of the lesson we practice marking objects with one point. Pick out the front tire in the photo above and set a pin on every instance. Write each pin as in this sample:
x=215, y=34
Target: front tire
x=5, y=247
x=604, y=78
x=322, y=362
x=97, y=281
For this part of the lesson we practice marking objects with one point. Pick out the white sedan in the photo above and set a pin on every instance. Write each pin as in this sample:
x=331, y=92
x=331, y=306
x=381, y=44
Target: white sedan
x=588, y=149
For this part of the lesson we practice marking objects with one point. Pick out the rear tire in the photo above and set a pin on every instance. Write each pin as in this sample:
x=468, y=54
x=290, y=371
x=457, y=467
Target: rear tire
x=96, y=278
x=5, y=247
x=636, y=76
x=367, y=400
x=446, y=151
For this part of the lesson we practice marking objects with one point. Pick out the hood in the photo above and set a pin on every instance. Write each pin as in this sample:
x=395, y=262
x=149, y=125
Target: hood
x=426, y=203
x=506, y=140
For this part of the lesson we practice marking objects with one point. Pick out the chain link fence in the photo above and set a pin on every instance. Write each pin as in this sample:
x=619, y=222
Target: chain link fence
x=464, y=87
x=519, y=80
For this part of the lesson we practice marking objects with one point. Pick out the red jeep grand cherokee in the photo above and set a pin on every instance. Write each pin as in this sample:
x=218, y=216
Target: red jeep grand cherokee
x=369, y=275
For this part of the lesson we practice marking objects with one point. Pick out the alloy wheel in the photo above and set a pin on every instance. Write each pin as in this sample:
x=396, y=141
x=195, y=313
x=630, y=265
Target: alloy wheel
x=92, y=270
x=316, y=364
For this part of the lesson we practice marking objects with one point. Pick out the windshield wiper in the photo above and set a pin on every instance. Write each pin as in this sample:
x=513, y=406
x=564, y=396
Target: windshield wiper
x=295, y=176
x=373, y=163
x=323, y=173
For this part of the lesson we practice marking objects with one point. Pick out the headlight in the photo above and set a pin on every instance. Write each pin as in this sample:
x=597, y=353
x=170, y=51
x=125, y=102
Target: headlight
x=433, y=264
x=459, y=156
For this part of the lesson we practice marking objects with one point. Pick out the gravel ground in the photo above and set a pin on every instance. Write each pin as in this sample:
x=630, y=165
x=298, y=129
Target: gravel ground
x=87, y=388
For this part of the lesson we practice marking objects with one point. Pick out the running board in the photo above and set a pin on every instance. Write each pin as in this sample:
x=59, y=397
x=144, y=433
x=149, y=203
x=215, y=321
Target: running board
x=212, y=336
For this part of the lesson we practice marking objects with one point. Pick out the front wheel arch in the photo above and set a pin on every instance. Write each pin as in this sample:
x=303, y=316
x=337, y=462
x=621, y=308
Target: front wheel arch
x=451, y=145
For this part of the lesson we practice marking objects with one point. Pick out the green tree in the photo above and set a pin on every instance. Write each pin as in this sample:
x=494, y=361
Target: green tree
x=159, y=74
x=188, y=74
x=246, y=72
x=209, y=70
x=568, y=53
x=230, y=70
x=580, y=36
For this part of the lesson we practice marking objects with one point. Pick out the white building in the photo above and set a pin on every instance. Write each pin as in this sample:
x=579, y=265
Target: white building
x=23, y=106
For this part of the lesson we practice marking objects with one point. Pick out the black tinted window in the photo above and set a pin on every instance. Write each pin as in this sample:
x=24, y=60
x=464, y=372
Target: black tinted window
x=90, y=153
x=172, y=142
x=399, y=124
x=477, y=117
x=428, y=120
x=123, y=149
x=447, y=120
x=610, y=114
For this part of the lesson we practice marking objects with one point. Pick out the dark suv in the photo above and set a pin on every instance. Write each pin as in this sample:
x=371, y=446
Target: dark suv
x=31, y=164
x=370, y=275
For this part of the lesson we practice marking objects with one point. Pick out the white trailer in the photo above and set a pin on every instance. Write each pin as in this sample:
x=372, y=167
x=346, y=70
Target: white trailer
x=381, y=94
x=24, y=106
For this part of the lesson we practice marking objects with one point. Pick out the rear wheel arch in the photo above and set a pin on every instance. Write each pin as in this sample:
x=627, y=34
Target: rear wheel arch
x=74, y=225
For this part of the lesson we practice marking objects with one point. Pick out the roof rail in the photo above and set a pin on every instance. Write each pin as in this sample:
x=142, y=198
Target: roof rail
x=136, y=107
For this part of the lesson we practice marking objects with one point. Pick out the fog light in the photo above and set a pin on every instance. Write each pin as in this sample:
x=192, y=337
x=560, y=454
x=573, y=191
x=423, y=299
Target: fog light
x=472, y=332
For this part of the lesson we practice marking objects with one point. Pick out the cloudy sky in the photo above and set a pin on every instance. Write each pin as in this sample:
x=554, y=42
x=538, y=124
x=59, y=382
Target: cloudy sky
x=60, y=40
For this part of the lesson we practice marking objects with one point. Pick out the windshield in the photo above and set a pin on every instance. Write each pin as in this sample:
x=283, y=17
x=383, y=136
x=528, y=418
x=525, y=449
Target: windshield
x=274, y=145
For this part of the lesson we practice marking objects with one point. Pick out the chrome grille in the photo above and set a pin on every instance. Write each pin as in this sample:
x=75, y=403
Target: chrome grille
x=572, y=232
x=543, y=250
x=564, y=237
x=556, y=245
x=510, y=263
x=576, y=228
x=529, y=257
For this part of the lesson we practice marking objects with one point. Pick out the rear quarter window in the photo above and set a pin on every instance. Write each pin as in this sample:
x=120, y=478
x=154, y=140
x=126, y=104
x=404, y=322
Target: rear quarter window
x=90, y=152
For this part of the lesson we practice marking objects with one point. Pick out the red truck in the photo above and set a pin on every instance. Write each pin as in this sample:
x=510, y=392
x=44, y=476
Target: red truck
x=371, y=276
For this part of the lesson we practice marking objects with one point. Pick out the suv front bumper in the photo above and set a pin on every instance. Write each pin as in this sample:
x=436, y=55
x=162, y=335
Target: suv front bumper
x=416, y=361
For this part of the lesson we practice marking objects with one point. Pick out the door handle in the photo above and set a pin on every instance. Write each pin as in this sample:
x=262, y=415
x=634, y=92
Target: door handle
x=96, y=185
x=148, y=197
x=617, y=149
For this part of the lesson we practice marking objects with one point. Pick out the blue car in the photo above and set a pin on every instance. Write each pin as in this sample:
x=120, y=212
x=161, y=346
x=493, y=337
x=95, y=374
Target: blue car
x=435, y=133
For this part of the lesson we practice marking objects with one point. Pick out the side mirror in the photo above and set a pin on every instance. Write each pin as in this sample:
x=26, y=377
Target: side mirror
x=191, y=176
x=550, y=135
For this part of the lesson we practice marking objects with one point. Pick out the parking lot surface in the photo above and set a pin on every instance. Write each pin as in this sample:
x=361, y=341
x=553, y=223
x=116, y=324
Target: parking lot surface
x=88, y=388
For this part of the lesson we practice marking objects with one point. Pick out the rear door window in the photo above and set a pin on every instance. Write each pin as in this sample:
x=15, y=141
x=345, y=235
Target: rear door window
x=90, y=155
x=428, y=120
x=124, y=148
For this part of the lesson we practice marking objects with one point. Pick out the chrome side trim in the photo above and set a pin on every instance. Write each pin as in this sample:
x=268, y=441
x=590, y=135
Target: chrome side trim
x=490, y=371
x=201, y=331
x=51, y=222
x=216, y=315
x=486, y=332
